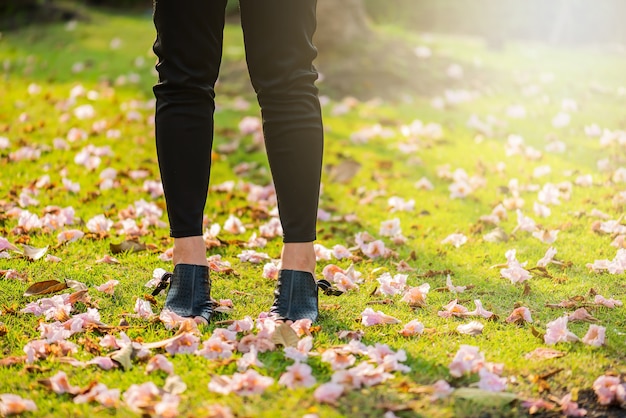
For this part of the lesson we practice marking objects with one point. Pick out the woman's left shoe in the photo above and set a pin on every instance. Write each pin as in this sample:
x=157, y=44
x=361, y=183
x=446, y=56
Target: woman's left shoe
x=189, y=293
x=295, y=296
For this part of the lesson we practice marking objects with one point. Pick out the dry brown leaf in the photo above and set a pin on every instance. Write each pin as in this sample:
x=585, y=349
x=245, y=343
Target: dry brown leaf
x=344, y=171
x=10, y=361
x=45, y=287
x=284, y=335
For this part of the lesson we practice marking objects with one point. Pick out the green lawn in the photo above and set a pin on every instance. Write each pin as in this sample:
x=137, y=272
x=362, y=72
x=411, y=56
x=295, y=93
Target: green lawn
x=110, y=57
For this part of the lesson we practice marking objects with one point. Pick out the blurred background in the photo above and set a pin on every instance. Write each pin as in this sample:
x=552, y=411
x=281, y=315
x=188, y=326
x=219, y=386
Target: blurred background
x=554, y=21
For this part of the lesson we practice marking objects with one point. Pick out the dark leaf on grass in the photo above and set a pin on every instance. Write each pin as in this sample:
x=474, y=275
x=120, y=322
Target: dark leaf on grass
x=485, y=398
x=526, y=291
x=123, y=357
x=537, y=333
x=127, y=246
x=285, y=336
x=33, y=253
x=45, y=287
x=76, y=286
x=3, y=330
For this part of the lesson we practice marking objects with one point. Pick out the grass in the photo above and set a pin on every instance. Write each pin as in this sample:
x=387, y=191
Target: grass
x=123, y=78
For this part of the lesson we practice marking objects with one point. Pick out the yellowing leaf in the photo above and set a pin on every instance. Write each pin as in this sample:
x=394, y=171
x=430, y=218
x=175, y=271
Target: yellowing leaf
x=284, y=335
x=123, y=357
x=74, y=285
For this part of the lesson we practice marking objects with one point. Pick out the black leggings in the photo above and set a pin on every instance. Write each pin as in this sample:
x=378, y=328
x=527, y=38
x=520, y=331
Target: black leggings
x=279, y=53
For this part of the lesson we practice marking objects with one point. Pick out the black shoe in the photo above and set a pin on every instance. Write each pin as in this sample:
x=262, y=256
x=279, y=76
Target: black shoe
x=189, y=294
x=295, y=296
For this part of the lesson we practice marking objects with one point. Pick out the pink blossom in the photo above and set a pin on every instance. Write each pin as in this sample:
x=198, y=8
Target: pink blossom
x=416, y=296
x=519, y=315
x=159, y=362
x=390, y=286
x=534, y=405
x=105, y=363
x=609, y=303
x=55, y=306
x=581, y=314
x=60, y=384
x=270, y=271
x=272, y=229
x=340, y=252
x=141, y=398
x=250, y=359
x=452, y=288
x=606, y=388
x=453, y=309
x=249, y=382
x=99, y=224
x=302, y=327
x=374, y=249
x=547, y=258
x=54, y=332
x=185, y=343
x=216, y=348
x=108, y=287
x=322, y=253
x=545, y=236
x=468, y=359
x=234, y=225
x=363, y=374
x=252, y=256
x=479, y=311
x=569, y=408
x=471, y=328
x=219, y=411
x=14, y=405
x=242, y=325
x=297, y=375
x=369, y=317
x=384, y=356
x=167, y=407
x=557, y=332
x=490, y=381
x=412, y=328
x=143, y=309
x=390, y=228
x=338, y=359
x=455, y=239
x=441, y=390
x=595, y=336
x=328, y=393
x=516, y=274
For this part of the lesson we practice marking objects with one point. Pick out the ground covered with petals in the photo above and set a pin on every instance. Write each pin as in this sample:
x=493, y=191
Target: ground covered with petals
x=477, y=235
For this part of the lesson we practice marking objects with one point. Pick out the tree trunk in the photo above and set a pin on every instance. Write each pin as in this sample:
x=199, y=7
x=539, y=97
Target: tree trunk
x=340, y=22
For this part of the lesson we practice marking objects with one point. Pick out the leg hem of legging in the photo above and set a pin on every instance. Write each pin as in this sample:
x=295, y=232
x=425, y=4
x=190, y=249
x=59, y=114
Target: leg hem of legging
x=186, y=234
x=289, y=240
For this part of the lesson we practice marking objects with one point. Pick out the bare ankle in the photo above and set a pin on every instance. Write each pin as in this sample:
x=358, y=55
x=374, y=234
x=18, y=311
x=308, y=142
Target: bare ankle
x=189, y=250
x=299, y=256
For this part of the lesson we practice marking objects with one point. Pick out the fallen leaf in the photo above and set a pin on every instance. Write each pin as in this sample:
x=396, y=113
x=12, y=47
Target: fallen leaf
x=344, y=171
x=123, y=357
x=497, y=235
x=127, y=246
x=76, y=286
x=81, y=295
x=350, y=335
x=485, y=398
x=33, y=253
x=10, y=361
x=284, y=335
x=544, y=353
x=45, y=287
x=472, y=328
x=174, y=385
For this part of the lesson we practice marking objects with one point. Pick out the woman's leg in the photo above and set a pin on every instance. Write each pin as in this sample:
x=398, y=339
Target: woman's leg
x=189, y=50
x=279, y=51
